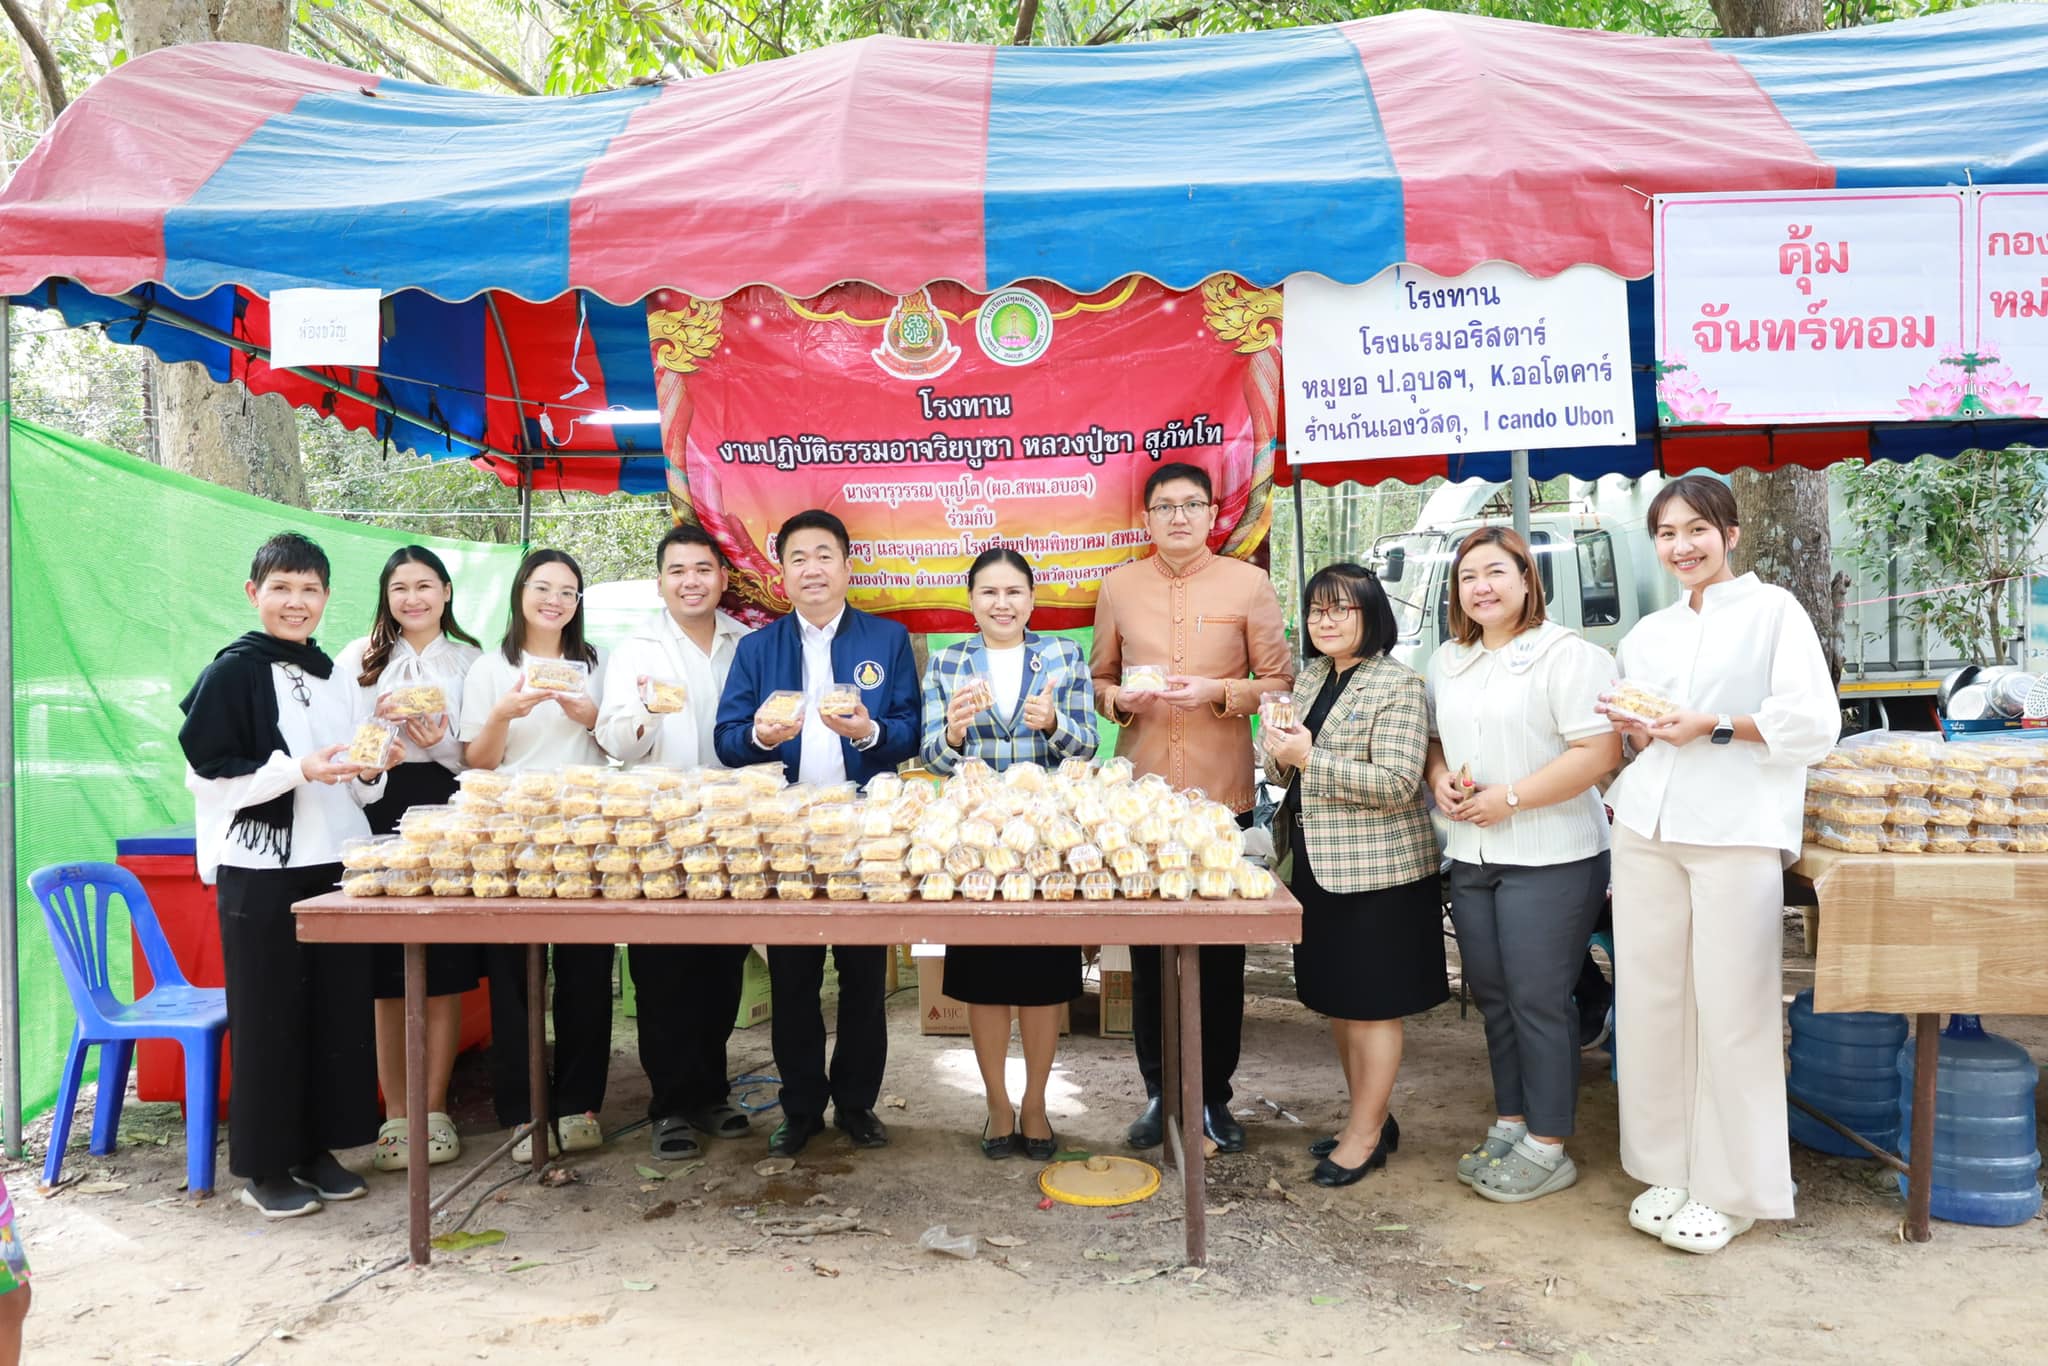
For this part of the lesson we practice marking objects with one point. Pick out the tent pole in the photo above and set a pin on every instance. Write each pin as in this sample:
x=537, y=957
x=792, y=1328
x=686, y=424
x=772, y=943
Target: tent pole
x=525, y=505
x=1300, y=554
x=1518, y=490
x=10, y=923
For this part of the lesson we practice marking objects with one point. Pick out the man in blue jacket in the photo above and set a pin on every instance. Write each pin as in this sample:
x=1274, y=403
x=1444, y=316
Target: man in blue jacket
x=822, y=643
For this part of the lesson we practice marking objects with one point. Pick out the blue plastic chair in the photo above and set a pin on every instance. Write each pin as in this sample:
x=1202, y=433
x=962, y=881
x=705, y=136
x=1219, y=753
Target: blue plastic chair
x=76, y=900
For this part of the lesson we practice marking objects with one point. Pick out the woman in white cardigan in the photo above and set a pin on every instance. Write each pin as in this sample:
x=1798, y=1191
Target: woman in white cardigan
x=1707, y=817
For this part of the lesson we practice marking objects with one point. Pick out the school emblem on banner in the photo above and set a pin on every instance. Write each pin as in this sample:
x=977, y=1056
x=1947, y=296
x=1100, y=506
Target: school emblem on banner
x=868, y=674
x=1014, y=327
x=914, y=344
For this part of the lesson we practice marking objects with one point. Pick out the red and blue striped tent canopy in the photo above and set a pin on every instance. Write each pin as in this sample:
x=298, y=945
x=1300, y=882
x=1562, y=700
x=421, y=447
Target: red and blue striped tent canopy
x=514, y=238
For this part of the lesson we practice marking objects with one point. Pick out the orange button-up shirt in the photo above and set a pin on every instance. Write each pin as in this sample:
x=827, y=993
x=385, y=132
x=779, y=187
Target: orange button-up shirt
x=1216, y=619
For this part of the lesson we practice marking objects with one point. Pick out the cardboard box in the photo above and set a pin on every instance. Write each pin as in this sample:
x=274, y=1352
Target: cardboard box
x=757, y=999
x=938, y=1013
x=1115, y=966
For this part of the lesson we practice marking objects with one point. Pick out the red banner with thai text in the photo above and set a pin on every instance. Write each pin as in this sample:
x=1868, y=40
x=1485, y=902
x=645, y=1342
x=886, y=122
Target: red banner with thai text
x=942, y=422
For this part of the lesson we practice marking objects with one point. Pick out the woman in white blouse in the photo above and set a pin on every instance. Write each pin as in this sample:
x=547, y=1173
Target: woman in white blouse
x=1707, y=817
x=1517, y=744
x=415, y=639
x=510, y=727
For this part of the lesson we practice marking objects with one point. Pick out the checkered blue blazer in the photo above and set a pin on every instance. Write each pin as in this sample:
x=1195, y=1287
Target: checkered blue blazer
x=999, y=736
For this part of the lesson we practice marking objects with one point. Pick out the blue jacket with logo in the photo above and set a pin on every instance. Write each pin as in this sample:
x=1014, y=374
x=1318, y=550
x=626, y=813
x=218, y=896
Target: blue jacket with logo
x=869, y=652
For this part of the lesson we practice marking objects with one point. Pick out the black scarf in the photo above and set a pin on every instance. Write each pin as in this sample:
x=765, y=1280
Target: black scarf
x=231, y=727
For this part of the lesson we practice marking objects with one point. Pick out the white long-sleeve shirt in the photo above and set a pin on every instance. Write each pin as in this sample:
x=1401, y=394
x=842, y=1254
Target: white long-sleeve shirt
x=444, y=663
x=660, y=649
x=323, y=814
x=1507, y=713
x=1749, y=651
x=543, y=738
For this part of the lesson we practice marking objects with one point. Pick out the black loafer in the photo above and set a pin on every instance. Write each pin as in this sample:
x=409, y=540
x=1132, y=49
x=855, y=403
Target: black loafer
x=1328, y=1173
x=996, y=1149
x=1323, y=1147
x=791, y=1135
x=864, y=1127
x=1390, y=1139
x=1148, y=1130
x=1039, y=1149
x=1225, y=1132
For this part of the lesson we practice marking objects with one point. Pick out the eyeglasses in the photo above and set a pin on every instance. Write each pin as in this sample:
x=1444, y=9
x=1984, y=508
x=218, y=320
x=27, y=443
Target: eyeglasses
x=1175, y=512
x=545, y=593
x=298, y=682
x=1336, y=611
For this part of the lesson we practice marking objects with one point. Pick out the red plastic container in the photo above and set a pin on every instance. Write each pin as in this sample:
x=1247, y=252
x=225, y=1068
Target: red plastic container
x=166, y=863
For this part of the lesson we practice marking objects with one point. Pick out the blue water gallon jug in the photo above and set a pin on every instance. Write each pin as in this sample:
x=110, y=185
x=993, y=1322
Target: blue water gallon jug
x=1847, y=1067
x=1987, y=1166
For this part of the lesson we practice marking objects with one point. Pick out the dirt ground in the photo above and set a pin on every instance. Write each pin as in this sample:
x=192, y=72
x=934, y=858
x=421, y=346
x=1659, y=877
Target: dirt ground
x=1406, y=1266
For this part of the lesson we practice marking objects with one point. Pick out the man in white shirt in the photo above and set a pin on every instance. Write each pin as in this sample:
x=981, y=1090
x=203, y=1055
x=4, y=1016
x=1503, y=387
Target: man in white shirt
x=688, y=994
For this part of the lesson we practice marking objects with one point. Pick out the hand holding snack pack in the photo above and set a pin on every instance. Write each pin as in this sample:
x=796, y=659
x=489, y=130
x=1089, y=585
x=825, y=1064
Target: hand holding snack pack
x=779, y=718
x=661, y=697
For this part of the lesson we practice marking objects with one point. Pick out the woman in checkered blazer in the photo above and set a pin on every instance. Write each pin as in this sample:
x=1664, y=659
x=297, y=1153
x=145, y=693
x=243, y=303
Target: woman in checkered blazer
x=1363, y=855
x=1007, y=696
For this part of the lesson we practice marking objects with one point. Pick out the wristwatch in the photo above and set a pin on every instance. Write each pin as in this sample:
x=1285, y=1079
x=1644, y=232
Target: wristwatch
x=1724, y=729
x=1514, y=802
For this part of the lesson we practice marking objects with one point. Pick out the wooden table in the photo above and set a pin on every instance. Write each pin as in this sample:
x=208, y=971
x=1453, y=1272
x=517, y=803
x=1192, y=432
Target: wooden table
x=1920, y=934
x=1179, y=928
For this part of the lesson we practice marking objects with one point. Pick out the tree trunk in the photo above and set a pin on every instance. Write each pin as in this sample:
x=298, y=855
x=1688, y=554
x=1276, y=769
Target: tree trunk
x=48, y=74
x=1785, y=511
x=219, y=432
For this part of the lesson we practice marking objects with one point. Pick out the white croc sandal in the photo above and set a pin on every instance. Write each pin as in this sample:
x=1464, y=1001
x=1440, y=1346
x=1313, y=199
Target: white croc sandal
x=1652, y=1210
x=391, y=1154
x=442, y=1143
x=1702, y=1228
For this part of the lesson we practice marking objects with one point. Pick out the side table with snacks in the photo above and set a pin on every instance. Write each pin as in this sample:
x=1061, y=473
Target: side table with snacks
x=1085, y=854
x=1926, y=858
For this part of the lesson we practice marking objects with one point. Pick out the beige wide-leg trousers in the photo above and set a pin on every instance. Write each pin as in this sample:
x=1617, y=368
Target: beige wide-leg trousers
x=1699, y=1022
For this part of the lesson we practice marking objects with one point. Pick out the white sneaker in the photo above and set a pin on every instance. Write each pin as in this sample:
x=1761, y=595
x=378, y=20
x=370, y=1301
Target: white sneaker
x=1652, y=1210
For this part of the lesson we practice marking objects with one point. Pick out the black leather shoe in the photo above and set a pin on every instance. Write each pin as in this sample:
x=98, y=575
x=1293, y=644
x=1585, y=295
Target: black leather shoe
x=1390, y=1139
x=1328, y=1173
x=1225, y=1132
x=996, y=1149
x=864, y=1127
x=791, y=1135
x=1038, y=1149
x=1148, y=1130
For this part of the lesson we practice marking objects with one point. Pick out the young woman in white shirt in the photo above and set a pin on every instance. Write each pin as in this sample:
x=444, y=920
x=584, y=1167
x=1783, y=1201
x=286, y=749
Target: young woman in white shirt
x=510, y=727
x=1517, y=743
x=1707, y=816
x=415, y=639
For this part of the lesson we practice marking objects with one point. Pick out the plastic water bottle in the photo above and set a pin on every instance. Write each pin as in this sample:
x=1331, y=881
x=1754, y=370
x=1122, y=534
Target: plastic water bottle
x=1846, y=1066
x=1987, y=1167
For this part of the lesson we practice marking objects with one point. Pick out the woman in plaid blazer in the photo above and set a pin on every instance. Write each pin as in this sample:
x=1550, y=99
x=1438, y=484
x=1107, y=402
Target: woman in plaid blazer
x=1363, y=855
x=1008, y=696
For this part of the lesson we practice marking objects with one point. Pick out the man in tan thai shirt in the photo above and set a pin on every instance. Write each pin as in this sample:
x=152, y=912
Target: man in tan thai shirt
x=1212, y=625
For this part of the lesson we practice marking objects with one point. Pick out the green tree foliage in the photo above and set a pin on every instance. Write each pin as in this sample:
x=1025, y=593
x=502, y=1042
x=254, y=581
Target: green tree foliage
x=1971, y=521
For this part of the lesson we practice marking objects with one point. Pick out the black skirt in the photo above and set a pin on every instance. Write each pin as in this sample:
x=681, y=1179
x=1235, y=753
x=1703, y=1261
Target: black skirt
x=1001, y=975
x=451, y=968
x=1369, y=955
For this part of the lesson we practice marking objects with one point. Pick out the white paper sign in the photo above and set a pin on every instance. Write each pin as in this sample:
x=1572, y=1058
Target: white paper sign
x=2010, y=374
x=1412, y=363
x=324, y=327
x=1821, y=306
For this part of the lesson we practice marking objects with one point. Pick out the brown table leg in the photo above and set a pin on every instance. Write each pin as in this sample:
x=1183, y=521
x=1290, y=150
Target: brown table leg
x=537, y=1053
x=1920, y=1184
x=1194, y=1160
x=419, y=1220
x=1172, y=1132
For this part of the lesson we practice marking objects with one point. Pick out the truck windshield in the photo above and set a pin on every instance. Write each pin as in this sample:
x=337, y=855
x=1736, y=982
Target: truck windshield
x=1407, y=566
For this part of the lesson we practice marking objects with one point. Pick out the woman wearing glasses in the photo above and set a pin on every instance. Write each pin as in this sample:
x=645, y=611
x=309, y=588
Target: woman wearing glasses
x=1519, y=744
x=511, y=727
x=1363, y=856
x=1008, y=695
x=415, y=641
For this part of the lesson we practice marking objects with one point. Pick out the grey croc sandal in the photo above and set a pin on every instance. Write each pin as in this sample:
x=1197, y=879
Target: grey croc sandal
x=675, y=1140
x=1517, y=1177
x=722, y=1120
x=1489, y=1149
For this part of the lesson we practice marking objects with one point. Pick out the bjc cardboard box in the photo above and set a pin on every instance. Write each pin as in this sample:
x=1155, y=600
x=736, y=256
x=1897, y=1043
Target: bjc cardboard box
x=938, y=1013
x=1115, y=967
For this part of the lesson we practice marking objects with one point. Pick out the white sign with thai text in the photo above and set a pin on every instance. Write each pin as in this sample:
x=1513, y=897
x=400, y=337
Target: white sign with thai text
x=324, y=327
x=1412, y=363
x=2010, y=374
x=1810, y=307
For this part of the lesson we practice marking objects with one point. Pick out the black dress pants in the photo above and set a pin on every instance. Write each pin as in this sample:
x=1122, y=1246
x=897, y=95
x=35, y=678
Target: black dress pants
x=301, y=1033
x=583, y=1030
x=687, y=997
x=1222, y=1016
x=854, y=1081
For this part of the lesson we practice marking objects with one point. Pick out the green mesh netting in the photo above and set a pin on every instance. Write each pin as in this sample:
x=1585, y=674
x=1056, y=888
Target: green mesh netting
x=127, y=579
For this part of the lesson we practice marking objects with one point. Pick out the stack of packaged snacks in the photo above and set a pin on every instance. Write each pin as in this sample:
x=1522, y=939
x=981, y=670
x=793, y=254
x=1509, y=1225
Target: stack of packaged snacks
x=1909, y=792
